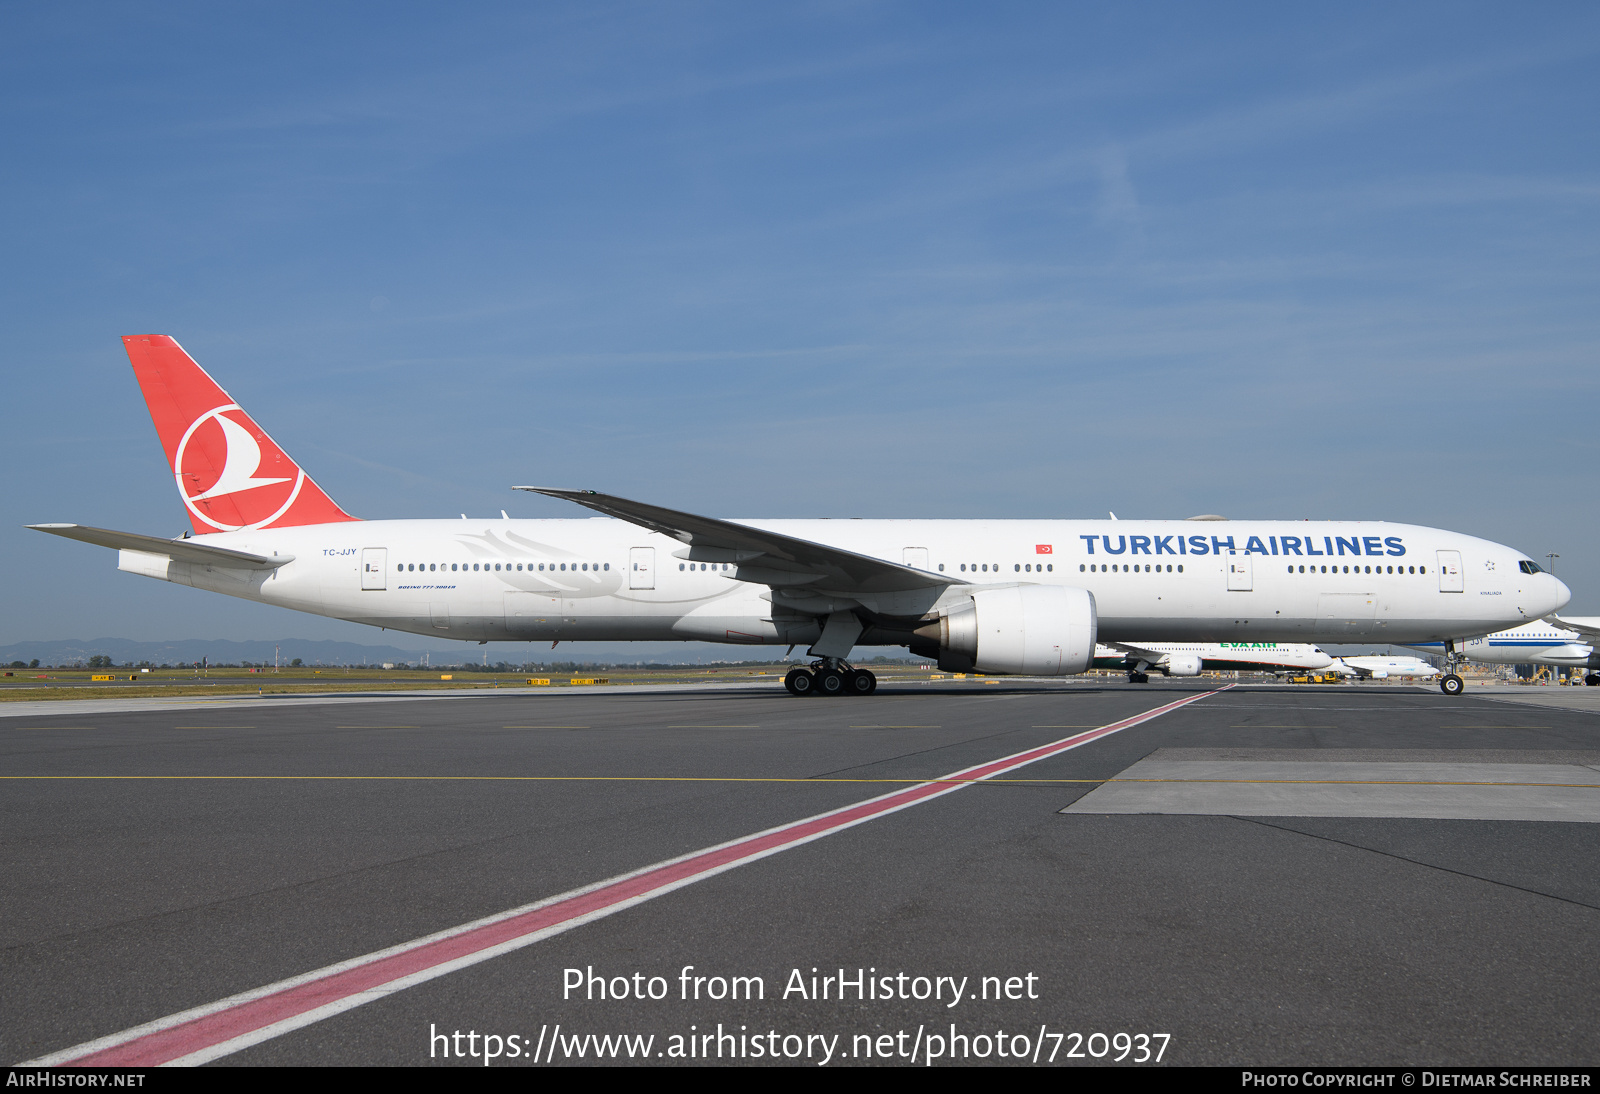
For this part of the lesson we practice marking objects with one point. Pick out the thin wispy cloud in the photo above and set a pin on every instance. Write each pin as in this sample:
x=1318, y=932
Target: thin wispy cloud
x=1030, y=261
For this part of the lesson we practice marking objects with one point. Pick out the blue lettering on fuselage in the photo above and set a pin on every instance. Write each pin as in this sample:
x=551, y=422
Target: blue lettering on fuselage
x=1288, y=545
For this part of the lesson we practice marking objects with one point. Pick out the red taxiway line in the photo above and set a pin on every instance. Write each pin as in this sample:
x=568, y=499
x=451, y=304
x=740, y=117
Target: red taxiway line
x=228, y=1025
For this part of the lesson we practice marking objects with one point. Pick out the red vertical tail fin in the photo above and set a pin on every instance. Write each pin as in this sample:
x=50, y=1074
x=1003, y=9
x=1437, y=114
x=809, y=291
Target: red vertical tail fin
x=230, y=474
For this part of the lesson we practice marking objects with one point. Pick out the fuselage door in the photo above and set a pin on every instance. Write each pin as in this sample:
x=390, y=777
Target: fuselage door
x=1451, y=579
x=641, y=568
x=1241, y=576
x=916, y=557
x=374, y=567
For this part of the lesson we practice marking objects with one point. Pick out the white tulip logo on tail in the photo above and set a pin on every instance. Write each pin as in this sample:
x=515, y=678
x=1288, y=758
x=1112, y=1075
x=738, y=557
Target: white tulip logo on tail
x=200, y=482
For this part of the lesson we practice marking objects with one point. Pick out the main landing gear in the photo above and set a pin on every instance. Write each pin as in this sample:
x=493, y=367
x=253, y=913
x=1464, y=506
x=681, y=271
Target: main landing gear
x=1592, y=680
x=830, y=676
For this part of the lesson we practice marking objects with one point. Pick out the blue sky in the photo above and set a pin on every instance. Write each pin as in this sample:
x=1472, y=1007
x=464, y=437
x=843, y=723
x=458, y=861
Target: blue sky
x=803, y=260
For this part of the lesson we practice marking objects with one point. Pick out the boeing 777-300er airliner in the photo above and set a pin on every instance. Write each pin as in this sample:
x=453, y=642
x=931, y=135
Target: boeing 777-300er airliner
x=1560, y=642
x=1004, y=596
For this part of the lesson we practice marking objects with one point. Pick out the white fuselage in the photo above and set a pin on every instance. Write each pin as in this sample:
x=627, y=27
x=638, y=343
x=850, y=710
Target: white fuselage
x=1537, y=643
x=1220, y=656
x=1383, y=666
x=604, y=579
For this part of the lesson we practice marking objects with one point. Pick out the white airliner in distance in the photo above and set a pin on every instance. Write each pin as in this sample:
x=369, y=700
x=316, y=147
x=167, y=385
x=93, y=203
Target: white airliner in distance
x=1382, y=667
x=1030, y=597
x=1559, y=641
x=1138, y=659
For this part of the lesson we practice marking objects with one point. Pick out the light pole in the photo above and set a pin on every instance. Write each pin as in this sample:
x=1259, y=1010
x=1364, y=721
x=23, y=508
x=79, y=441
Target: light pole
x=1552, y=557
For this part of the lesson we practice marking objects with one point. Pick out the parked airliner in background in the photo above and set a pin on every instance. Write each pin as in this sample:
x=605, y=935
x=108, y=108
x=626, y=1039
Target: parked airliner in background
x=1560, y=642
x=1382, y=667
x=1137, y=659
x=1003, y=596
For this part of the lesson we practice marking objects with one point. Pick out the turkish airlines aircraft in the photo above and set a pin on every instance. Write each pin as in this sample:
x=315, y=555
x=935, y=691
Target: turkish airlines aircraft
x=1558, y=642
x=1191, y=659
x=1004, y=596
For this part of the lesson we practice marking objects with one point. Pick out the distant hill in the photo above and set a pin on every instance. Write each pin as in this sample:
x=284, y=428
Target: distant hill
x=218, y=651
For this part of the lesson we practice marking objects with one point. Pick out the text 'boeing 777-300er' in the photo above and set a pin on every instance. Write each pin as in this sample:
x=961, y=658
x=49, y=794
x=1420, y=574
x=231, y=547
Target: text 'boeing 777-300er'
x=1004, y=596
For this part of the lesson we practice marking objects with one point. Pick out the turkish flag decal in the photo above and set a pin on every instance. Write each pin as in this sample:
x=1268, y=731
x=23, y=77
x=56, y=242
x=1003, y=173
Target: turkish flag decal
x=1043, y=549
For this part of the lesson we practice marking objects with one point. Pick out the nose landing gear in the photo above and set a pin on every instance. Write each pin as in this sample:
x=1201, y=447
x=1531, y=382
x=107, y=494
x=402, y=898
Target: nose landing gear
x=830, y=676
x=1450, y=683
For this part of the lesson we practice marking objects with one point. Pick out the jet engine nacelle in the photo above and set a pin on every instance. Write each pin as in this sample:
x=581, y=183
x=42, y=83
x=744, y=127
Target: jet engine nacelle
x=1030, y=630
x=1182, y=664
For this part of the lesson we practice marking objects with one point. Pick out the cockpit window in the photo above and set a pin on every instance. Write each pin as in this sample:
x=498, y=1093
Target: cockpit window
x=1528, y=567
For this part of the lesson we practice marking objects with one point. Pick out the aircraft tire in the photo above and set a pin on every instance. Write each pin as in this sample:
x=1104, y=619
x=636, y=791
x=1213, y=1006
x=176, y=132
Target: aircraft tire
x=1451, y=684
x=861, y=682
x=800, y=682
x=830, y=682
x=1138, y=678
x=1592, y=680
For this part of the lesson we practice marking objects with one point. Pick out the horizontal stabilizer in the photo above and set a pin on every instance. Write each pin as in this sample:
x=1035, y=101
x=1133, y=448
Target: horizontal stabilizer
x=179, y=550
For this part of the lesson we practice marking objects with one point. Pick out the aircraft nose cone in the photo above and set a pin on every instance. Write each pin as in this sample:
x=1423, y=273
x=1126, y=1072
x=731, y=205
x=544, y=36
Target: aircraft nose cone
x=1559, y=594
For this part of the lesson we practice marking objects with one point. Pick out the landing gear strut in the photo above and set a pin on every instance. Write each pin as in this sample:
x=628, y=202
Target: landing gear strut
x=1450, y=683
x=830, y=676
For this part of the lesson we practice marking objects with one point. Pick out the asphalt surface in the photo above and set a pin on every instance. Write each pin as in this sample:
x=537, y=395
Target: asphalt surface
x=160, y=860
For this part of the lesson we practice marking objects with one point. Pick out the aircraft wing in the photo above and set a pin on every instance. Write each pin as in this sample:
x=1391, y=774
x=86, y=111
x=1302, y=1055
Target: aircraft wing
x=179, y=550
x=760, y=556
x=1152, y=656
x=1589, y=628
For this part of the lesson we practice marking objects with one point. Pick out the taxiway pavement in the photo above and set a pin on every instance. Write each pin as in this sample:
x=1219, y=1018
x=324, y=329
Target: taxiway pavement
x=160, y=860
